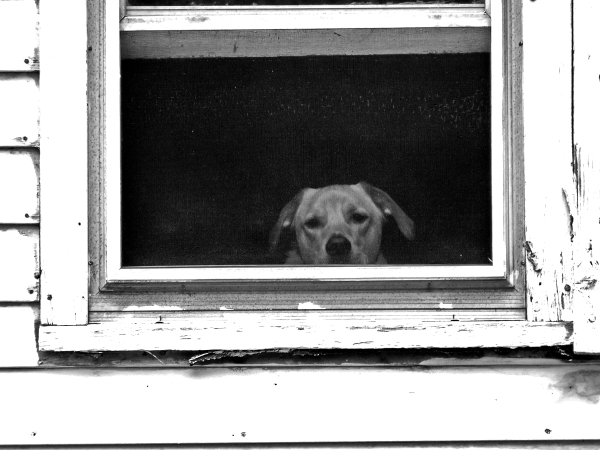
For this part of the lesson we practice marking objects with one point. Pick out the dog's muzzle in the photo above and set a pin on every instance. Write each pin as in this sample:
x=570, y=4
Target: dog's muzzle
x=338, y=248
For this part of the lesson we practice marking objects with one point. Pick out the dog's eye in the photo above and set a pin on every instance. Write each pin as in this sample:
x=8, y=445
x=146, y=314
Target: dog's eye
x=312, y=223
x=359, y=217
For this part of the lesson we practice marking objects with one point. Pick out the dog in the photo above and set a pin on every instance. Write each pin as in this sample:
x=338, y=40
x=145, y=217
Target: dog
x=339, y=224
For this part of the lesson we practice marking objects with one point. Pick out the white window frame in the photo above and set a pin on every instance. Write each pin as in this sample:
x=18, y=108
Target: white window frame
x=72, y=269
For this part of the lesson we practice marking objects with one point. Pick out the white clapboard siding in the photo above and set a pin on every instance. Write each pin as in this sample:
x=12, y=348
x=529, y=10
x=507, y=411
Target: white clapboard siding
x=547, y=123
x=19, y=40
x=275, y=405
x=19, y=111
x=17, y=336
x=585, y=203
x=19, y=186
x=19, y=263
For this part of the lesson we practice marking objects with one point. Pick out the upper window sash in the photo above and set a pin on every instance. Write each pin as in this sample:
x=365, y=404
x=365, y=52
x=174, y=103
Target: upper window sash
x=158, y=18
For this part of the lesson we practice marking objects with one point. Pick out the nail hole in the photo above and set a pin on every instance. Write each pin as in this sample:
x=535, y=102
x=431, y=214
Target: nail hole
x=25, y=138
x=79, y=223
x=30, y=291
x=26, y=216
x=26, y=61
x=49, y=297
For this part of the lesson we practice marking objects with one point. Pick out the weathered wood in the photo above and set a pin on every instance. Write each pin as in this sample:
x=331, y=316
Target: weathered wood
x=319, y=331
x=547, y=122
x=290, y=299
x=262, y=405
x=18, y=346
x=63, y=161
x=146, y=316
x=19, y=114
x=19, y=186
x=584, y=203
x=245, y=43
x=19, y=263
x=19, y=39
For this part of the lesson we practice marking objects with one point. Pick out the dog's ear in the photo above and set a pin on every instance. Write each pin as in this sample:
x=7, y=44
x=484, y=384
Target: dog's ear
x=390, y=208
x=286, y=218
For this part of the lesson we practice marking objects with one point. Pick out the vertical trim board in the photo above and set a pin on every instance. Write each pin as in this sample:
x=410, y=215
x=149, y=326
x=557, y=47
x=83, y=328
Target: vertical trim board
x=547, y=142
x=64, y=163
x=585, y=198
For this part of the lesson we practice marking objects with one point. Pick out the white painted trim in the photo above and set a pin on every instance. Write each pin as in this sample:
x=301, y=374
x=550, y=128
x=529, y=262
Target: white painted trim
x=112, y=105
x=155, y=18
x=303, y=17
x=586, y=180
x=488, y=7
x=314, y=329
x=305, y=273
x=64, y=163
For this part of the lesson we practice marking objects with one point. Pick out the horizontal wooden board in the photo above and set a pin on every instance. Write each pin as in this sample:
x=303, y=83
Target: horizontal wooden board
x=19, y=114
x=261, y=43
x=18, y=346
x=19, y=186
x=266, y=405
x=303, y=17
x=315, y=331
x=278, y=299
x=19, y=263
x=141, y=316
x=19, y=39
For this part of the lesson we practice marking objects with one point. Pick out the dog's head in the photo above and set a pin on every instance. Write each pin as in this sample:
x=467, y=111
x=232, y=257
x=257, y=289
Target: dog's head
x=339, y=224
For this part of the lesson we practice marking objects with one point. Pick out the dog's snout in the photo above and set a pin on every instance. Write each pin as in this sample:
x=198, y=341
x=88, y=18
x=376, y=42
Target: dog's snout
x=338, y=246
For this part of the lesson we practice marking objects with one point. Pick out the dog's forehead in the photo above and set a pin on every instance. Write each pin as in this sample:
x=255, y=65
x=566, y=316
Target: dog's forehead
x=336, y=196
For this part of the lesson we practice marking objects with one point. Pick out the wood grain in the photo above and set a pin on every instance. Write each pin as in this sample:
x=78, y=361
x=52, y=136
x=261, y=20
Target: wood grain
x=584, y=203
x=271, y=43
x=547, y=140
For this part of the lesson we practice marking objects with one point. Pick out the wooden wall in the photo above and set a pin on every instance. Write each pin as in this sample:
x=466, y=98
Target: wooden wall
x=434, y=403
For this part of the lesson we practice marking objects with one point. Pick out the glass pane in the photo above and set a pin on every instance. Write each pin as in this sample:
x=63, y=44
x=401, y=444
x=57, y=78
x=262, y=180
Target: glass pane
x=214, y=148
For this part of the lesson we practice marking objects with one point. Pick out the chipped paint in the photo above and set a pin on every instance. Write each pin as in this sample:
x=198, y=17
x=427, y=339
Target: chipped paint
x=152, y=308
x=532, y=257
x=309, y=305
x=225, y=308
x=443, y=305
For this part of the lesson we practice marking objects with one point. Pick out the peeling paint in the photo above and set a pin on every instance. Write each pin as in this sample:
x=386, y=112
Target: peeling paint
x=309, y=305
x=225, y=308
x=532, y=257
x=152, y=308
x=443, y=305
x=587, y=283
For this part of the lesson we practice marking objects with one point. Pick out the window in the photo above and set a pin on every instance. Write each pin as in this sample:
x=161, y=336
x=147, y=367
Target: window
x=438, y=64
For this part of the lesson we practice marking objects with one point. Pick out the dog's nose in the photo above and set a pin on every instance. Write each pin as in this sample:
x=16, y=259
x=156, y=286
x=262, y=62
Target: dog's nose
x=338, y=246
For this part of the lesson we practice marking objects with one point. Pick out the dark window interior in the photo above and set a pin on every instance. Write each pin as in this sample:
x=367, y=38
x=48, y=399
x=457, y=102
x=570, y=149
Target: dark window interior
x=289, y=2
x=213, y=148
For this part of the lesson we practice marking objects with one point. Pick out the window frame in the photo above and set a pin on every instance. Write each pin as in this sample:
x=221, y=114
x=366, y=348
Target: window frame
x=133, y=320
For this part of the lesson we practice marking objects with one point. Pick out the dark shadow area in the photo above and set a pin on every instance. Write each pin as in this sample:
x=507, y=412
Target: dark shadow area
x=214, y=148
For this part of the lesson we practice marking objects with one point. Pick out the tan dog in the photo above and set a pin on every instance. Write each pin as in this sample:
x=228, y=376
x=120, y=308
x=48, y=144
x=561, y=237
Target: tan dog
x=339, y=224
